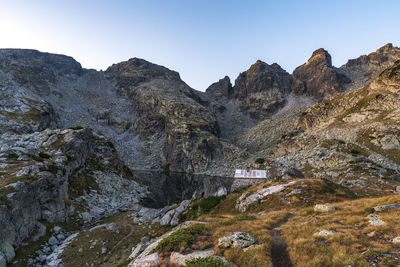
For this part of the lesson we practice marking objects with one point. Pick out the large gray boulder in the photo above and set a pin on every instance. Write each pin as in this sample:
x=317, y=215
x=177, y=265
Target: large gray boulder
x=237, y=239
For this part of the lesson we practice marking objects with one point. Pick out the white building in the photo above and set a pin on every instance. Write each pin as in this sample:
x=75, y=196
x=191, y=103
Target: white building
x=254, y=174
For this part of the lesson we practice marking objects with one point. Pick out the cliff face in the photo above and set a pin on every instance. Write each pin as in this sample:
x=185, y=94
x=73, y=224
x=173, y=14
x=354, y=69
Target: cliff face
x=260, y=91
x=167, y=109
x=352, y=138
x=365, y=68
x=221, y=91
x=318, y=78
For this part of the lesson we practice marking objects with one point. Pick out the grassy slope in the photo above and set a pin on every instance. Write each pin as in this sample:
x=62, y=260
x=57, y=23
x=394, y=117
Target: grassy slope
x=351, y=245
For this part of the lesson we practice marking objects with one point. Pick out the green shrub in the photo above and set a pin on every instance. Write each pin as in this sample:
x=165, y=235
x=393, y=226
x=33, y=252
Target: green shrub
x=165, y=169
x=203, y=206
x=12, y=156
x=76, y=128
x=355, y=152
x=369, y=210
x=208, y=203
x=180, y=238
x=209, y=261
x=260, y=160
x=44, y=155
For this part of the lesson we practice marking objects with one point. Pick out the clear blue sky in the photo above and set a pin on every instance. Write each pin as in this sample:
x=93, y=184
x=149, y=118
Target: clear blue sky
x=203, y=40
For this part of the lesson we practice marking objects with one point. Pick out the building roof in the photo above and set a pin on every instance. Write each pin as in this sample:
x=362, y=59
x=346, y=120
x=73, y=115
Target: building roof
x=255, y=174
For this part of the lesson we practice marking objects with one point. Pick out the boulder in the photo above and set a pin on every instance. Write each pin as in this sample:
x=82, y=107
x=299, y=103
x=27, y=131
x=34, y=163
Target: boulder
x=396, y=240
x=237, y=239
x=151, y=260
x=387, y=207
x=179, y=259
x=246, y=200
x=324, y=232
x=53, y=241
x=324, y=208
x=374, y=220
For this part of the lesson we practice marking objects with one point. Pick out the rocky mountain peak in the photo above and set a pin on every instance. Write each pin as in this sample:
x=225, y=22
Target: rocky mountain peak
x=318, y=78
x=260, y=91
x=136, y=71
x=387, y=48
x=320, y=56
x=365, y=68
x=221, y=90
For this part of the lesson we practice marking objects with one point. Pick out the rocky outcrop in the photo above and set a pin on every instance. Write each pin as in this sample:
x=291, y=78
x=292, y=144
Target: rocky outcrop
x=178, y=259
x=153, y=118
x=236, y=240
x=42, y=175
x=318, y=78
x=365, y=68
x=324, y=208
x=260, y=91
x=246, y=199
x=167, y=109
x=168, y=215
x=350, y=138
x=221, y=91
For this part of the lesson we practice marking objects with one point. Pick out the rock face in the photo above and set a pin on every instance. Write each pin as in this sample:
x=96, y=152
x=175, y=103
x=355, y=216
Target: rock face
x=352, y=131
x=153, y=118
x=260, y=91
x=221, y=91
x=168, y=111
x=365, y=68
x=318, y=78
x=53, y=169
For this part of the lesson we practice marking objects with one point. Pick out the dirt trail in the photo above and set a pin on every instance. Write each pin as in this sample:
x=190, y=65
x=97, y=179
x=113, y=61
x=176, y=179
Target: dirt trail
x=279, y=255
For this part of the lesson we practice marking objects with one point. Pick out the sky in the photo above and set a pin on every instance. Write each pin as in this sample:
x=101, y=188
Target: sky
x=203, y=40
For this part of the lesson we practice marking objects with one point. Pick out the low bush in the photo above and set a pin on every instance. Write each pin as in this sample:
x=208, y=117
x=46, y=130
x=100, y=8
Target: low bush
x=180, y=238
x=260, y=160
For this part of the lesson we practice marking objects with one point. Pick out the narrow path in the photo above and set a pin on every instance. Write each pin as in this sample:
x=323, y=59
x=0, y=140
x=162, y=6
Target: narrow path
x=132, y=230
x=279, y=255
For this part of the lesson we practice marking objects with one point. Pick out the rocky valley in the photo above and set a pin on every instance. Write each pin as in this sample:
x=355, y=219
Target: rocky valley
x=132, y=167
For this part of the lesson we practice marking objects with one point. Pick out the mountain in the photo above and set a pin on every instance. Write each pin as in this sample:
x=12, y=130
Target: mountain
x=367, y=67
x=122, y=147
x=260, y=91
x=221, y=91
x=318, y=78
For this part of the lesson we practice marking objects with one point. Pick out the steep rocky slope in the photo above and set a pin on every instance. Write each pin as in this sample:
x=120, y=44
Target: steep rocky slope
x=261, y=90
x=365, y=68
x=351, y=138
x=152, y=116
x=221, y=91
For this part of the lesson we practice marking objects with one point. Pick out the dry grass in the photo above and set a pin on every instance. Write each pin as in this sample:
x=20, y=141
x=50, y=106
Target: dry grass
x=351, y=245
x=118, y=243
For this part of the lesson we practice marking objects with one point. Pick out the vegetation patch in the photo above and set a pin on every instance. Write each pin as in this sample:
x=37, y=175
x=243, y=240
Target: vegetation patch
x=181, y=238
x=203, y=206
x=209, y=261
